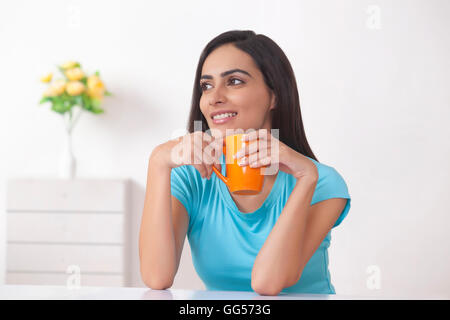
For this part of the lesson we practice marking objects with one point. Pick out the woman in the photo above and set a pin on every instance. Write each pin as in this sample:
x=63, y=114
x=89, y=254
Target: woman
x=272, y=242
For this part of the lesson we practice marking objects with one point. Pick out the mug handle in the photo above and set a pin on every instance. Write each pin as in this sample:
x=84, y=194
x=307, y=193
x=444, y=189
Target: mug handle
x=219, y=174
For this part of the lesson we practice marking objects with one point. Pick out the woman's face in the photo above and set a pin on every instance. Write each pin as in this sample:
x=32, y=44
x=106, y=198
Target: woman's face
x=234, y=94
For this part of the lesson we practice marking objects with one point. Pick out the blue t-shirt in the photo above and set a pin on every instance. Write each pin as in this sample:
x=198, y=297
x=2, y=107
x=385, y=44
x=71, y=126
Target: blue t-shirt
x=224, y=241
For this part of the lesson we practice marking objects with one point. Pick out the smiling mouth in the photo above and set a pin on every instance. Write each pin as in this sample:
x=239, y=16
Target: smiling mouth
x=223, y=117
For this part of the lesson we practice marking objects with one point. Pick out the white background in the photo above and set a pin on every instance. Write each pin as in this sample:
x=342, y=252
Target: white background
x=373, y=80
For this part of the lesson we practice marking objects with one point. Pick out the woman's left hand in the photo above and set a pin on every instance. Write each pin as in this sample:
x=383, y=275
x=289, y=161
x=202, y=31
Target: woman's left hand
x=261, y=149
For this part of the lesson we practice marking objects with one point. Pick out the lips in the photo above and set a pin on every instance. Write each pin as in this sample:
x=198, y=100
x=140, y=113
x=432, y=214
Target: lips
x=221, y=112
x=220, y=117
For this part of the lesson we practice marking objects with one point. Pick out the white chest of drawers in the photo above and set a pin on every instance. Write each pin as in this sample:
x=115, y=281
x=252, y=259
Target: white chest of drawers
x=57, y=229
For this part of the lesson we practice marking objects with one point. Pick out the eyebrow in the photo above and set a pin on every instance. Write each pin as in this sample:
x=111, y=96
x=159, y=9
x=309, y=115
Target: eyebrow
x=225, y=73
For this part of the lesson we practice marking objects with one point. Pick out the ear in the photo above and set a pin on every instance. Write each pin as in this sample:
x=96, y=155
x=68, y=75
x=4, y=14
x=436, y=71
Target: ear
x=273, y=101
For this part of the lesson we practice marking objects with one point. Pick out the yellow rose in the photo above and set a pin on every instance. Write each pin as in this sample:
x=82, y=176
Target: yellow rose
x=74, y=74
x=69, y=65
x=94, y=82
x=96, y=88
x=49, y=92
x=56, y=88
x=75, y=88
x=96, y=94
x=47, y=77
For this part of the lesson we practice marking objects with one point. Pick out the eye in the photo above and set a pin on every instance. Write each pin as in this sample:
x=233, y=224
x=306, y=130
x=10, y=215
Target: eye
x=202, y=85
x=232, y=79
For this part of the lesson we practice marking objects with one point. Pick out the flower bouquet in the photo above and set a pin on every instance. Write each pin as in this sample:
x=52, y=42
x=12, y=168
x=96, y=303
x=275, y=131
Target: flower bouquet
x=71, y=95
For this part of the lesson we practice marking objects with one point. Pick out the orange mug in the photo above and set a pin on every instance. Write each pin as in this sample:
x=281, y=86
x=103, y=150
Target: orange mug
x=239, y=180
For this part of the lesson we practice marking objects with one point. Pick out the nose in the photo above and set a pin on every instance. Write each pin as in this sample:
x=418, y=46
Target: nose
x=217, y=96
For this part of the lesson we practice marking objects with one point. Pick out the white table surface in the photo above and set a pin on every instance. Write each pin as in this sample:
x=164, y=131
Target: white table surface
x=33, y=292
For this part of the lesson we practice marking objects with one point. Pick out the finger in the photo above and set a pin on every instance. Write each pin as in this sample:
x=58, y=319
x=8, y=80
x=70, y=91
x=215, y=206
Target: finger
x=261, y=134
x=219, y=141
x=261, y=154
x=265, y=152
x=254, y=145
x=198, y=138
x=207, y=158
x=253, y=149
x=201, y=149
x=196, y=148
x=269, y=170
x=212, y=150
x=247, y=148
x=256, y=157
x=204, y=170
x=198, y=162
x=217, y=157
x=200, y=141
x=208, y=171
x=216, y=163
x=250, y=136
x=260, y=162
x=243, y=161
x=218, y=166
x=201, y=169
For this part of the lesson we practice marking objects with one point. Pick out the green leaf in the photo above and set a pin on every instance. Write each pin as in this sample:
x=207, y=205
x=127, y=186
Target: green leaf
x=62, y=103
x=58, y=107
x=96, y=106
x=97, y=73
x=76, y=65
x=95, y=103
x=78, y=100
x=97, y=110
x=45, y=99
x=86, y=102
x=57, y=100
x=107, y=93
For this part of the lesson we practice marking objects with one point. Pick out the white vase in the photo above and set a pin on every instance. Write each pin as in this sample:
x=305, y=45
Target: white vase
x=67, y=165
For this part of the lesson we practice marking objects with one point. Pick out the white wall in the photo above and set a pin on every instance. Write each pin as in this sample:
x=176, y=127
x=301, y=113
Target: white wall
x=374, y=95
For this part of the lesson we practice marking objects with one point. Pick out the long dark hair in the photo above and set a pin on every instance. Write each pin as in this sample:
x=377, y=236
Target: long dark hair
x=278, y=76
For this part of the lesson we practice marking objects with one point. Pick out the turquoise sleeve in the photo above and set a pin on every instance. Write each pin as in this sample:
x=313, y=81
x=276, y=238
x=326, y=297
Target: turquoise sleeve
x=332, y=185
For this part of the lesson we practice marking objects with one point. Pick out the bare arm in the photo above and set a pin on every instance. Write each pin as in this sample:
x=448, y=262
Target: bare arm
x=298, y=232
x=301, y=228
x=163, y=227
x=164, y=219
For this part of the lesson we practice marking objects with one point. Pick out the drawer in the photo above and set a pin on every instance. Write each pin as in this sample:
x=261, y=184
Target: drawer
x=57, y=257
x=67, y=195
x=60, y=279
x=65, y=227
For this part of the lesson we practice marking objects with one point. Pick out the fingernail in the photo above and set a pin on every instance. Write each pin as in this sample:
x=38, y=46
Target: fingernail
x=243, y=161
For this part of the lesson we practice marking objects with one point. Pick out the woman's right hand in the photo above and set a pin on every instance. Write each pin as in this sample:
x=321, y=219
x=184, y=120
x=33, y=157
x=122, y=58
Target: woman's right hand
x=198, y=149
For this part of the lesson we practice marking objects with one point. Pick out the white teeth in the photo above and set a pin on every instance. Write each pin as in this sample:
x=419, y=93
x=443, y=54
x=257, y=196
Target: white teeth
x=224, y=115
